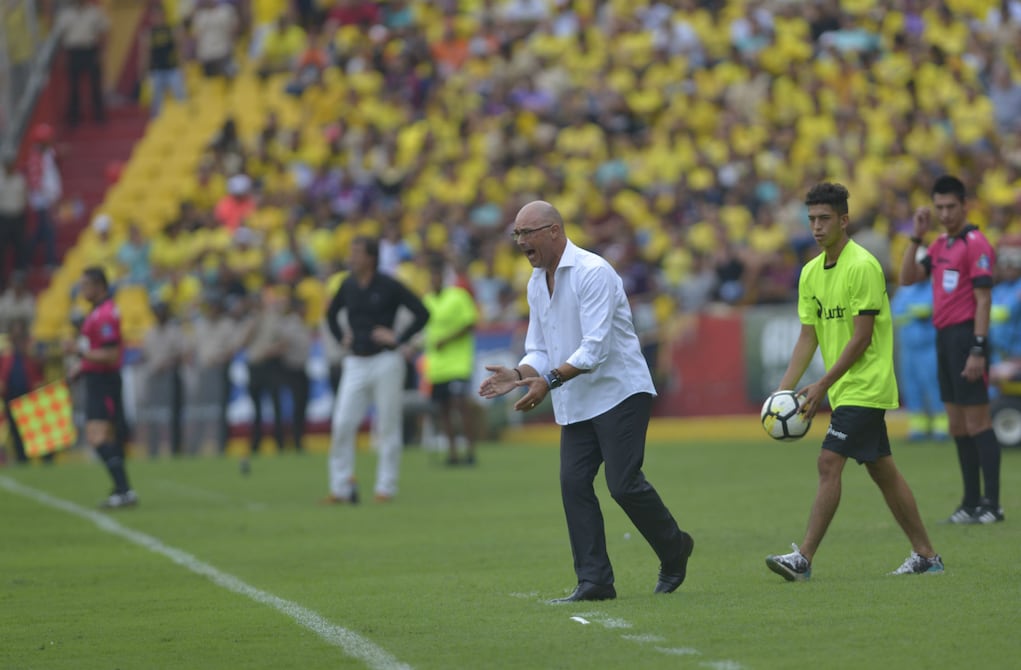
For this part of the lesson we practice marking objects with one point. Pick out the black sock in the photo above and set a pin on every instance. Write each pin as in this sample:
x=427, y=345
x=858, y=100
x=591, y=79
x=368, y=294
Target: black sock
x=989, y=458
x=967, y=455
x=114, y=461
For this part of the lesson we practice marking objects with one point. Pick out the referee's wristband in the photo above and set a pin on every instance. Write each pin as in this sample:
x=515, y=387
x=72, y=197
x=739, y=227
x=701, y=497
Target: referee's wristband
x=978, y=345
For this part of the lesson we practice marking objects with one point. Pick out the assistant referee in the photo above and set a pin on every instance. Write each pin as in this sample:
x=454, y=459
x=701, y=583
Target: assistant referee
x=961, y=262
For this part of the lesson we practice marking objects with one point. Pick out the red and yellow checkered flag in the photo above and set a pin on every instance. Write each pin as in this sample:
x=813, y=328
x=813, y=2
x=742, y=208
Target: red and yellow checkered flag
x=44, y=419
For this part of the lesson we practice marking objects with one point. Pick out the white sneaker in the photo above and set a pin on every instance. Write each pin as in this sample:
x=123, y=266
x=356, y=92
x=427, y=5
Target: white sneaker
x=793, y=566
x=120, y=500
x=916, y=564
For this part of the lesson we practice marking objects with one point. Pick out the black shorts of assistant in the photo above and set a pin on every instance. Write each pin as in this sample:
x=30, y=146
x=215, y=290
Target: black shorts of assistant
x=953, y=345
x=858, y=433
x=445, y=391
x=102, y=396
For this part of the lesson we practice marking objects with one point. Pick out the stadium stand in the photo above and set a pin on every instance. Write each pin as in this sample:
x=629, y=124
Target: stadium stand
x=676, y=137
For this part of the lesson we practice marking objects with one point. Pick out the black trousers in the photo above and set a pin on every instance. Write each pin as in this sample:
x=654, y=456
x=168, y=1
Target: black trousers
x=298, y=384
x=164, y=410
x=81, y=63
x=12, y=239
x=12, y=430
x=223, y=426
x=266, y=377
x=615, y=438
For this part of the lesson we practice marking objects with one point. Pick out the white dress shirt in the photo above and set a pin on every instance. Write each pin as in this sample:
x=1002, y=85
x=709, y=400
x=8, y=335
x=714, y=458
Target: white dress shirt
x=586, y=323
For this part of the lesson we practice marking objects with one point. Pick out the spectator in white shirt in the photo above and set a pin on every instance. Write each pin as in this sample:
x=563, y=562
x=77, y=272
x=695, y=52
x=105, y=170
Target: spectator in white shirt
x=580, y=322
x=215, y=27
x=82, y=28
x=45, y=189
x=13, y=216
x=161, y=412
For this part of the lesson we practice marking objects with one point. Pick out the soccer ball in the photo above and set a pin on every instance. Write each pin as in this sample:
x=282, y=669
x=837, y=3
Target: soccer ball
x=782, y=418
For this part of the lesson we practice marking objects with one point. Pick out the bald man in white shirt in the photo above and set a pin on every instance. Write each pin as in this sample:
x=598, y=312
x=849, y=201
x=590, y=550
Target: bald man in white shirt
x=580, y=322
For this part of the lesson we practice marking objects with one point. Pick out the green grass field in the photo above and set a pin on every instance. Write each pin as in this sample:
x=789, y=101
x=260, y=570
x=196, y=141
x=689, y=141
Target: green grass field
x=456, y=572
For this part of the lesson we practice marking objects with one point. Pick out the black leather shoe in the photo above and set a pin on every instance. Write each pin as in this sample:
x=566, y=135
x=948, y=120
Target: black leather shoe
x=588, y=591
x=671, y=575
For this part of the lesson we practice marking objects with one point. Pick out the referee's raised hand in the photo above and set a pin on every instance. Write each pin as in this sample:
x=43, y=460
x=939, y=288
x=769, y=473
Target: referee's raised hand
x=922, y=221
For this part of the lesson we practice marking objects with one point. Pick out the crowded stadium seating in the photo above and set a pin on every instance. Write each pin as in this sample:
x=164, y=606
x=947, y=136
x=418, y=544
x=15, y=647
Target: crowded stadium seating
x=676, y=138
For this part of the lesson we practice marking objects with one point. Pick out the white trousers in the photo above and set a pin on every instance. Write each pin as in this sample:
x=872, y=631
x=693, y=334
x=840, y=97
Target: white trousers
x=376, y=380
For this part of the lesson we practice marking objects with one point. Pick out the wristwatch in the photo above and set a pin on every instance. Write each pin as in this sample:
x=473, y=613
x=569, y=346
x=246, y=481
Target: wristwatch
x=553, y=379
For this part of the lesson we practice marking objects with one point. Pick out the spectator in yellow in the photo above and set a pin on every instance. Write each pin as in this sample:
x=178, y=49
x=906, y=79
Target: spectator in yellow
x=246, y=259
x=281, y=47
x=450, y=356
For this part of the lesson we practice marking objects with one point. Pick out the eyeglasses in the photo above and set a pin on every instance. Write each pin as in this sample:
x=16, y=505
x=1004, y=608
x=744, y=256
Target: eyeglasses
x=518, y=234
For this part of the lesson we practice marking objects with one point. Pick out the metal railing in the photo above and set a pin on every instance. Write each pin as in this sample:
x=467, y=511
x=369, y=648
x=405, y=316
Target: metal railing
x=26, y=50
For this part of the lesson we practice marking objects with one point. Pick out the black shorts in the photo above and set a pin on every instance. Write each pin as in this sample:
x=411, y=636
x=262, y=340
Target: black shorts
x=858, y=433
x=455, y=388
x=102, y=396
x=953, y=344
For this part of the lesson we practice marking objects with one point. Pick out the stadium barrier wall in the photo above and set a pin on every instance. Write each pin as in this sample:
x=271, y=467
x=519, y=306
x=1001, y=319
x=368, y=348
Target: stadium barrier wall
x=712, y=365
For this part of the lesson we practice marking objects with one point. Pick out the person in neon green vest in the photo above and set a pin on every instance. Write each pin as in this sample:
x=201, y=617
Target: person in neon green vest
x=450, y=356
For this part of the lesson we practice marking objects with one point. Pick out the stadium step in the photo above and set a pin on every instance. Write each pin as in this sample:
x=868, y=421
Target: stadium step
x=87, y=152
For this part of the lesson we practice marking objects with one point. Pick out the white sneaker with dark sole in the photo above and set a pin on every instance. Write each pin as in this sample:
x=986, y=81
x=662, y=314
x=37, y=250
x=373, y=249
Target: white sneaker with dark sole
x=916, y=564
x=793, y=566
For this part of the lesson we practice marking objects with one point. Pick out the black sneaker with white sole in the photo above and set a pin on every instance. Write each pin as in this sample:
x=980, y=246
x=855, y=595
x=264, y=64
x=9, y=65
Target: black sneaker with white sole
x=989, y=514
x=964, y=515
x=120, y=500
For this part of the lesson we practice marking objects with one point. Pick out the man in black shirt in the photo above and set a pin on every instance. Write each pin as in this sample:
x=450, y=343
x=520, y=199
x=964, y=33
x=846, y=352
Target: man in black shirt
x=160, y=55
x=373, y=370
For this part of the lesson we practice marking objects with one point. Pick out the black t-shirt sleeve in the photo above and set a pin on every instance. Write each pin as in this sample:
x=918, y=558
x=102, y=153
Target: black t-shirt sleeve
x=333, y=310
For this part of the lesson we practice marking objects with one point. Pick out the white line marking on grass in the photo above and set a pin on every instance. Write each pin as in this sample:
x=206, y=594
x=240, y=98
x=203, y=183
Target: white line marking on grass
x=525, y=596
x=644, y=639
x=641, y=638
x=678, y=651
x=606, y=621
x=353, y=644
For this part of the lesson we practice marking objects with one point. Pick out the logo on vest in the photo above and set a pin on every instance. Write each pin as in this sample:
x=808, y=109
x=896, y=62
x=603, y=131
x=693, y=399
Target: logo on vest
x=950, y=280
x=828, y=313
